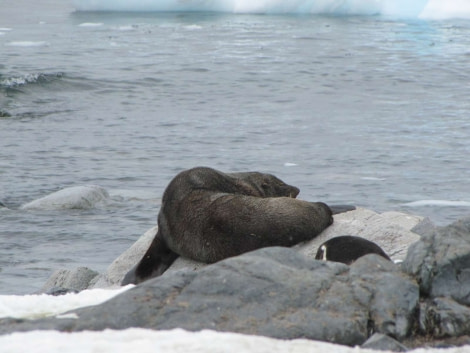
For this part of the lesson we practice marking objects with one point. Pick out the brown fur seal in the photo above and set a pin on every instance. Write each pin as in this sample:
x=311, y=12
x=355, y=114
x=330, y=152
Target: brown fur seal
x=207, y=216
x=347, y=249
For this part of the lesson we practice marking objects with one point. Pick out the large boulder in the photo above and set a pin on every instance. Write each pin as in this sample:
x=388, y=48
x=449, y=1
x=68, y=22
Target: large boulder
x=440, y=262
x=62, y=281
x=390, y=230
x=124, y=262
x=273, y=292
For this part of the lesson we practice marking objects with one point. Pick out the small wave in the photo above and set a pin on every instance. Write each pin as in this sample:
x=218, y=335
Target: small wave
x=373, y=178
x=127, y=28
x=11, y=82
x=445, y=203
x=27, y=43
x=3, y=30
x=90, y=24
x=193, y=27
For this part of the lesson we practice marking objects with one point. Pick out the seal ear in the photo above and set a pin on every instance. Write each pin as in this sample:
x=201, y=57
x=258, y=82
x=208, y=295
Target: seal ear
x=156, y=260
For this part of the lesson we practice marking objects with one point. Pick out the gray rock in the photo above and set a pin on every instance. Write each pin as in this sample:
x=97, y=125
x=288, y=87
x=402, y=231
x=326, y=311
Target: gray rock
x=120, y=266
x=113, y=275
x=69, y=280
x=426, y=226
x=390, y=230
x=381, y=342
x=273, y=292
x=443, y=317
x=395, y=297
x=440, y=262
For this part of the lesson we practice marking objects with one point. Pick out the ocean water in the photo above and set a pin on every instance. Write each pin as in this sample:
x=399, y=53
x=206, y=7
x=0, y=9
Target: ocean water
x=361, y=102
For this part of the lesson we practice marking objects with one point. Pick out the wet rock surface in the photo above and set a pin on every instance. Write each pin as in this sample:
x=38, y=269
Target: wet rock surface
x=274, y=292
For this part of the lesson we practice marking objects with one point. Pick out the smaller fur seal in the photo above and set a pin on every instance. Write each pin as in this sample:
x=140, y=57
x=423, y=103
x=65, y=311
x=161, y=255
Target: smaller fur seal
x=347, y=249
x=207, y=216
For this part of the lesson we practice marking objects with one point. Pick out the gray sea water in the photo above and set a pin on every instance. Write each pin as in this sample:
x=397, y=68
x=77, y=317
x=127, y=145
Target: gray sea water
x=365, y=110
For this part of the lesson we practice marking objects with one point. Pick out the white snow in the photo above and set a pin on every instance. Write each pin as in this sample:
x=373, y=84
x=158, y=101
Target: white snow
x=41, y=305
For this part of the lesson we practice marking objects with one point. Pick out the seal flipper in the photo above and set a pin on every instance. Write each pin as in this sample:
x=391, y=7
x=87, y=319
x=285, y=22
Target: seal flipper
x=156, y=260
x=341, y=208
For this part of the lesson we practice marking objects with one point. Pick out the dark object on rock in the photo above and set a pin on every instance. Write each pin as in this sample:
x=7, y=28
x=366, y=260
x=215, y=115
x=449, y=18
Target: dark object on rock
x=336, y=209
x=381, y=342
x=4, y=114
x=347, y=249
x=56, y=291
x=207, y=216
x=274, y=292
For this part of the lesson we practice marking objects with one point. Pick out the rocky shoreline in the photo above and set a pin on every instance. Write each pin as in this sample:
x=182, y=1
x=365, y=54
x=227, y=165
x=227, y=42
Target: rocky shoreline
x=285, y=293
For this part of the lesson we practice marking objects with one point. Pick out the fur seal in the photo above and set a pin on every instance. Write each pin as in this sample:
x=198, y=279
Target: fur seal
x=347, y=249
x=207, y=216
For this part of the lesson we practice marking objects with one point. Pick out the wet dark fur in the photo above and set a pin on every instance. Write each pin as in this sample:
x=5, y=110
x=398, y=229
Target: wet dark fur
x=348, y=248
x=207, y=215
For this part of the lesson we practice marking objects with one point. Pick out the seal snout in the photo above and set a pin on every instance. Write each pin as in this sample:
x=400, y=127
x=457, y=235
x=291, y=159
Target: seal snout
x=294, y=192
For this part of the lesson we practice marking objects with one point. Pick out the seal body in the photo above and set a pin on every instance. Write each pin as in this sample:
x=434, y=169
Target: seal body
x=347, y=249
x=207, y=216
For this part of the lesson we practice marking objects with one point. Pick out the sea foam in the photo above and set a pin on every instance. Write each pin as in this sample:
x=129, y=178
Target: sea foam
x=442, y=203
x=432, y=9
x=19, y=80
